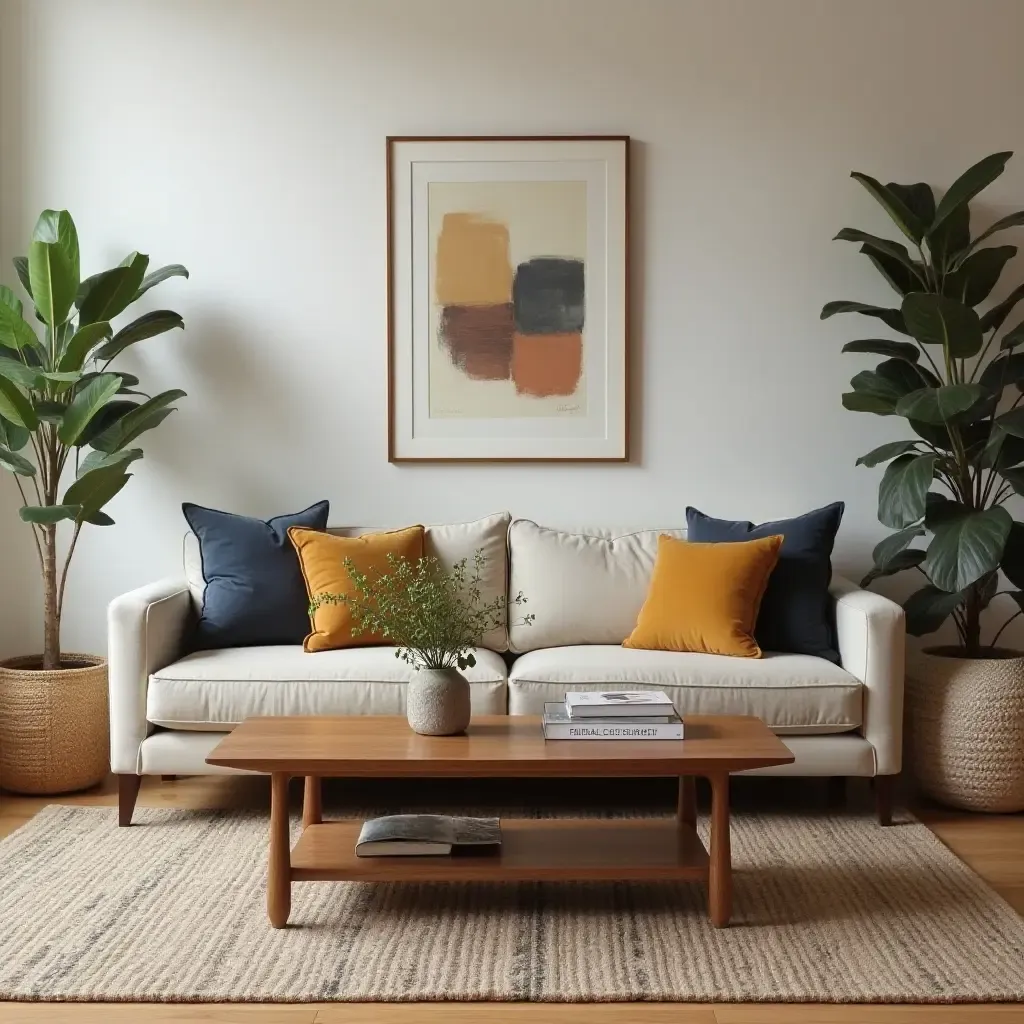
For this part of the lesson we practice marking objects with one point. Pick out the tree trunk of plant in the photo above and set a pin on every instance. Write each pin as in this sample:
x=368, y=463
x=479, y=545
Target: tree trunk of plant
x=51, y=615
x=972, y=622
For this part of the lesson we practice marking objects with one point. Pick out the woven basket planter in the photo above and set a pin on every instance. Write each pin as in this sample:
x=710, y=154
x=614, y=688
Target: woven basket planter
x=965, y=720
x=54, y=733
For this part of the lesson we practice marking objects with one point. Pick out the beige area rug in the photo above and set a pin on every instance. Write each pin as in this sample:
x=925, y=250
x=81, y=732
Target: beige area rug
x=828, y=908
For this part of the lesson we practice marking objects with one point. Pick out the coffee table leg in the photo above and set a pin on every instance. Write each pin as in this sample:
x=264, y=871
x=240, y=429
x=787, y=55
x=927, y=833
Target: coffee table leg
x=720, y=878
x=279, y=870
x=312, y=811
x=686, y=809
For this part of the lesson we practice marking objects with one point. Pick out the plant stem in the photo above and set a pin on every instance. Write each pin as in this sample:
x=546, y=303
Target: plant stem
x=1003, y=626
x=64, y=571
x=51, y=613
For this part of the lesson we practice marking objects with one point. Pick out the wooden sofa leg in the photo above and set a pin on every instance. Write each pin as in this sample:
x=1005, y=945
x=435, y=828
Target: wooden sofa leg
x=883, y=798
x=127, y=794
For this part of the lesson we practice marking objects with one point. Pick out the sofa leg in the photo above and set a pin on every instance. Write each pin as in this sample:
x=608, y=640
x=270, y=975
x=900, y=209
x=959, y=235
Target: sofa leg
x=168, y=778
x=883, y=798
x=836, y=795
x=127, y=794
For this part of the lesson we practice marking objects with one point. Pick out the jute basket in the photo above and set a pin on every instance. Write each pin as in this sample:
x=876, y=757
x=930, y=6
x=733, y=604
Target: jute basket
x=54, y=733
x=965, y=728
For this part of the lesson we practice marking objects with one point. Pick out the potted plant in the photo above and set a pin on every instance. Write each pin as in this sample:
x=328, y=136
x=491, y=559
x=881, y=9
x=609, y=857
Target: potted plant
x=67, y=427
x=435, y=618
x=956, y=377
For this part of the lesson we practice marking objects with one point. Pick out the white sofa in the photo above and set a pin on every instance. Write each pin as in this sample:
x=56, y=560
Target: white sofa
x=169, y=708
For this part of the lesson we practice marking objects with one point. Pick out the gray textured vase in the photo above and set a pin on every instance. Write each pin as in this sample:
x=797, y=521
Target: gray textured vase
x=438, y=702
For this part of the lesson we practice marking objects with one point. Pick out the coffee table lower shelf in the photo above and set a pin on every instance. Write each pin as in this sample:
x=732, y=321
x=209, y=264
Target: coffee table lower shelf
x=532, y=850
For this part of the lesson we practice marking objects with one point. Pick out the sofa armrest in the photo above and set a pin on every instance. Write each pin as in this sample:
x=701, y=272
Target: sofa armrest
x=144, y=633
x=872, y=638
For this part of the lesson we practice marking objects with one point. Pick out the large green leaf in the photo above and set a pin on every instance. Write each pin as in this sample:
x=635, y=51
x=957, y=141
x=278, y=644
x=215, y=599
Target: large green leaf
x=884, y=347
x=53, y=285
x=48, y=514
x=951, y=241
x=937, y=320
x=885, y=452
x=81, y=343
x=966, y=546
x=10, y=300
x=880, y=389
x=968, y=185
x=1013, y=337
x=900, y=562
x=56, y=226
x=146, y=326
x=18, y=373
x=86, y=403
x=918, y=198
x=939, y=405
x=897, y=275
x=14, y=406
x=154, y=278
x=112, y=291
x=94, y=489
x=16, y=463
x=890, y=317
x=995, y=317
x=1012, y=422
x=106, y=418
x=1012, y=562
x=1007, y=368
x=1012, y=220
x=973, y=282
x=901, y=214
x=886, y=550
x=100, y=460
x=21, y=268
x=13, y=436
x=902, y=490
x=928, y=608
x=14, y=331
x=129, y=427
x=1014, y=477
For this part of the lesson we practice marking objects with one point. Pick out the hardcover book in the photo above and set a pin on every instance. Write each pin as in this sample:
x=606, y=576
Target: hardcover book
x=424, y=835
x=558, y=725
x=617, y=703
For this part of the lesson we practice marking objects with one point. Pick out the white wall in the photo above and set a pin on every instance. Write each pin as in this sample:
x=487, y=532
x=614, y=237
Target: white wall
x=246, y=139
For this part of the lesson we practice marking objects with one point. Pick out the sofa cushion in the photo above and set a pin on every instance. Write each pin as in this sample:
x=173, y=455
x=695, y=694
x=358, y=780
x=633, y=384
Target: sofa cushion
x=447, y=542
x=792, y=693
x=214, y=690
x=254, y=594
x=584, y=588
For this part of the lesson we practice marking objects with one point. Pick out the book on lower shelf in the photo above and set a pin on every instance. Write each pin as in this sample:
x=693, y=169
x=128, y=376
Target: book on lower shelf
x=617, y=703
x=425, y=835
x=558, y=725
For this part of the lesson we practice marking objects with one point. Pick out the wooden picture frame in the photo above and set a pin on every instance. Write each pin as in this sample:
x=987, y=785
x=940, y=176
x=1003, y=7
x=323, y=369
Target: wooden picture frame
x=508, y=298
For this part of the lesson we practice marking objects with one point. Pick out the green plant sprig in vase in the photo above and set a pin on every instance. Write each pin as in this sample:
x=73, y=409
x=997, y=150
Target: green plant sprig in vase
x=435, y=617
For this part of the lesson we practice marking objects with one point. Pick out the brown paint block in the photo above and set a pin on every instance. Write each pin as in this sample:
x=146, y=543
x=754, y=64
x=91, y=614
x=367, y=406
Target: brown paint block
x=547, y=364
x=479, y=339
x=473, y=266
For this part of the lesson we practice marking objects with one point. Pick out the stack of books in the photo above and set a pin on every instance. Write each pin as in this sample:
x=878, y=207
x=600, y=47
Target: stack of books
x=613, y=715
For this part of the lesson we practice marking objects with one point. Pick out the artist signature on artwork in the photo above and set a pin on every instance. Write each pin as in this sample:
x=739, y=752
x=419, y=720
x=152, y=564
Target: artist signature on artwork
x=567, y=407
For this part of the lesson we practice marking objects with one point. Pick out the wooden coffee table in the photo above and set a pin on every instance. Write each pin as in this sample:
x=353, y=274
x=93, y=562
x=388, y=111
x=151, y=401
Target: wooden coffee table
x=498, y=746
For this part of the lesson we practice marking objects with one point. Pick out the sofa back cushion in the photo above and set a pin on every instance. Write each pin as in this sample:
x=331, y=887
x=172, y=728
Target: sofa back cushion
x=583, y=588
x=447, y=542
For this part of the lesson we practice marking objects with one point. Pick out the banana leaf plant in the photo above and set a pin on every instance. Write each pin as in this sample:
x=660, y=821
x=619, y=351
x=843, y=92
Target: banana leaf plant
x=956, y=377
x=67, y=420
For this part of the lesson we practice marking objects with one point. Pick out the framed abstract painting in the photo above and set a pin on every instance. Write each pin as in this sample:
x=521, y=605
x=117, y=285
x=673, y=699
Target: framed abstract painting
x=508, y=300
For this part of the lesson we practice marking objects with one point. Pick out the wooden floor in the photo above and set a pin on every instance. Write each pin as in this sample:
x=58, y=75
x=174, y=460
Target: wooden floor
x=993, y=846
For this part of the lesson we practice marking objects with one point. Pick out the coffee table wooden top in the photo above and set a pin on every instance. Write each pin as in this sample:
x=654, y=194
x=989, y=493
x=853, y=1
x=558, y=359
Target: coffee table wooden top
x=496, y=746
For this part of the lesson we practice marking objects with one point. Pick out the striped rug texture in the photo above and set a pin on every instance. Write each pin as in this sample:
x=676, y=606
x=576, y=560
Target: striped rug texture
x=827, y=908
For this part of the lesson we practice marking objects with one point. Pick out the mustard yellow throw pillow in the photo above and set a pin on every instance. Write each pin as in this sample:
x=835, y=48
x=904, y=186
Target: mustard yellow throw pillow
x=322, y=559
x=704, y=597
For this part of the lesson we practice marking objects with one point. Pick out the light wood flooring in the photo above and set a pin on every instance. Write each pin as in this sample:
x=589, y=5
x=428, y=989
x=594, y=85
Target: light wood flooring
x=992, y=845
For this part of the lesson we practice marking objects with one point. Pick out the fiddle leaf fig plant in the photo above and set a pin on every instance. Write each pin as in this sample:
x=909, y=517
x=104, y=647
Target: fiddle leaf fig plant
x=955, y=378
x=68, y=422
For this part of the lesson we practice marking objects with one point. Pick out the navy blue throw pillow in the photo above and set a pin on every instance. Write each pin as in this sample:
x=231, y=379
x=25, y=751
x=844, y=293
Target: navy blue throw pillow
x=796, y=615
x=255, y=593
